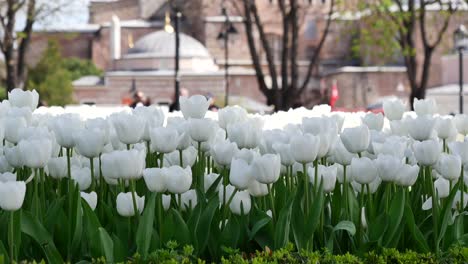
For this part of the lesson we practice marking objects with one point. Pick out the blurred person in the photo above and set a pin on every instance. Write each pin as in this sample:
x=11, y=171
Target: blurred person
x=182, y=92
x=139, y=99
x=213, y=107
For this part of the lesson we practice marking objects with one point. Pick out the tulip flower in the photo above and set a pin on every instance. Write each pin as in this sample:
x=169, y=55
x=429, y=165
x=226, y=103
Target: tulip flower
x=373, y=121
x=14, y=157
x=202, y=130
x=393, y=145
x=449, y=166
x=356, y=139
x=125, y=205
x=13, y=127
x=189, y=200
x=178, y=180
x=399, y=127
x=327, y=174
x=247, y=154
x=407, y=175
x=7, y=176
x=271, y=137
x=445, y=128
x=240, y=174
x=164, y=139
x=425, y=106
x=364, y=170
x=427, y=152
x=305, y=147
x=241, y=203
x=90, y=198
x=129, y=128
x=155, y=179
x=388, y=167
x=223, y=152
x=153, y=116
x=285, y=152
x=99, y=124
x=35, y=153
x=12, y=195
x=189, y=156
x=266, y=169
x=442, y=187
x=210, y=180
x=393, y=109
x=230, y=115
x=421, y=127
x=89, y=142
x=57, y=168
x=246, y=134
x=341, y=155
x=64, y=127
x=461, y=150
x=4, y=165
x=123, y=164
x=82, y=176
x=194, y=107
x=20, y=98
x=461, y=123
x=257, y=189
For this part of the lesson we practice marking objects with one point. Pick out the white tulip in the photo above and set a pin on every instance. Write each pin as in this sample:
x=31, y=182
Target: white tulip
x=393, y=109
x=425, y=106
x=445, y=128
x=266, y=169
x=64, y=126
x=194, y=107
x=155, y=179
x=230, y=115
x=461, y=150
x=210, y=180
x=240, y=174
x=340, y=154
x=35, y=153
x=89, y=142
x=241, y=203
x=449, y=166
x=14, y=157
x=421, y=127
x=407, y=175
x=7, y=176
x=189, y=199
x=12, y=195
x=189, y=156
x=178, y=180
x=202, y=130
x=82, y=176
x=57, y=168
x=125, y=204
x=284, y=150
x=123, y=164
x=461, y=122
x=246, y=134
x=4, y=165
x=442, y=187
x=327, y=174
x=305, y=147
x=373, y=121
x=388, y=167
x=90, y=198
x=129, y=128
x=257, y=189
x=356, y=139
x=153, y=116
x=13, y=127
x=364, y=170
x=427, y=152
x=164, y=139
x=20, y=98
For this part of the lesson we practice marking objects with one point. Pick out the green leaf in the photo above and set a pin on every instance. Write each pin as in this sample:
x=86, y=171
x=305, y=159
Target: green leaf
x=180, y=229
x=283, y=225
x=77, y=219
x=396, y=212
x=346, y=226
x=145, y=228
x=3, y=254
x=202, y=230
x=418, y=237
x=32, y=227
x=92, y=225
x=446, y=214
x=259, y=225
x=107, y=245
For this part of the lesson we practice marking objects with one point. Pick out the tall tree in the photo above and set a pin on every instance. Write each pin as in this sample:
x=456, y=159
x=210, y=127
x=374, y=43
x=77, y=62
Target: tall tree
x=285, y=93
x=419, y=27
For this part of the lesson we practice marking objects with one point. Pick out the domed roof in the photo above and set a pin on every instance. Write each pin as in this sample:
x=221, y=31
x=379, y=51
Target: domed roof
x=162, y=44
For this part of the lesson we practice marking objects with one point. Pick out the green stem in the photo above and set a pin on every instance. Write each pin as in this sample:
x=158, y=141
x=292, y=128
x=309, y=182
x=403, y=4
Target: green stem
x=316, y=176
x=361, y=202
x=128, y=146
x=306, y=190
x=226, y=207
x=462, y=189
x=162, y=160
x=179, y=197
x=91, y=164
x=11, y=237
x=181, y=158
x=133, y=191
x=272, y=200
x=345, y=192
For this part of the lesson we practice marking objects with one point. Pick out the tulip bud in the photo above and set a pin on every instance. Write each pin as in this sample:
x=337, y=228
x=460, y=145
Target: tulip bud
x=373, y=121
x=35, y=153
x=356, y=139
x=20, y=98
x=421, y=127
x=241, y=203
x=327, y=174
x=461, y=150
x=164, y=139
x=266, y=169
x=407, y=175
x=123, y=164
x=202, y=130
x=240, y=174
x=13, y=127
x=57, y=168
x=194, y=107
x=427, y=152
x=305, y=147
x=82, y=176
x=12, y=195
x=284, y=150
x=189, y=200
x=230, y=115
x=425, y=106
x=340, y=154
x=257, y=189
x=388, y=167
x=210, y=180
x=445, y=128
x=363, y=170
x=394, y=109
x=125, y=204
x=129, y=128
x=153, y=116
x=442, y=187
x=90, y=198
x=178, y=180
x=89, y=143
x=155, y=179
x=449, y=166
x=223, y=152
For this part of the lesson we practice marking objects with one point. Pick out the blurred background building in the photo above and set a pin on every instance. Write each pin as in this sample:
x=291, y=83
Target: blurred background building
x=126, y=39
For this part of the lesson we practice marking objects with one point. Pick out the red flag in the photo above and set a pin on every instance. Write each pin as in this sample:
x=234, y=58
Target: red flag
x=334, y=94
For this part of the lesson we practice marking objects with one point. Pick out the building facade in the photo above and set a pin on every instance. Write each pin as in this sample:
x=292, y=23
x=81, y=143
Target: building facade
x=126, y=39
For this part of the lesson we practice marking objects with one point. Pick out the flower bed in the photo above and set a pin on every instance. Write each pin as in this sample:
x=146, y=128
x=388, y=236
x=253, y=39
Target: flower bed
x=78, y=188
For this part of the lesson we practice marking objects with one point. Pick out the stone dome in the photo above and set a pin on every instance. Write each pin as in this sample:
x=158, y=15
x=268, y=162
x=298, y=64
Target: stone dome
x=162, y=44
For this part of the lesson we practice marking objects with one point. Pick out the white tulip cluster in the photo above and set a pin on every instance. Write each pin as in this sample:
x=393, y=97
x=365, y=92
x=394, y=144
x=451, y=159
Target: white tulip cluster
x=246, y=154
